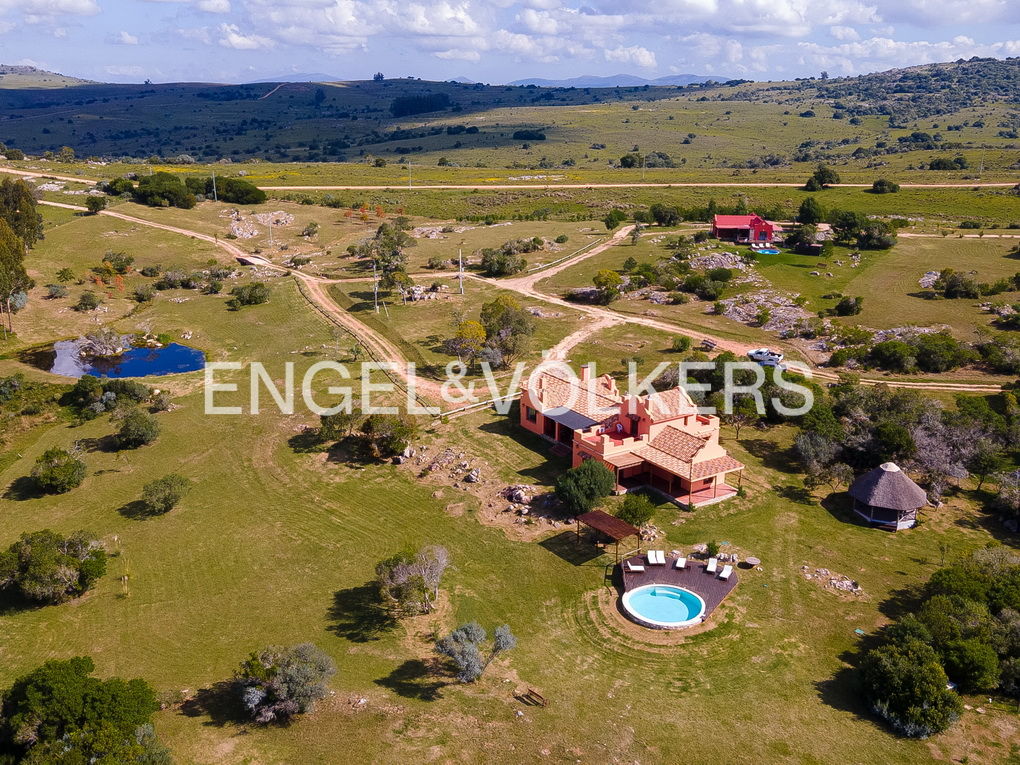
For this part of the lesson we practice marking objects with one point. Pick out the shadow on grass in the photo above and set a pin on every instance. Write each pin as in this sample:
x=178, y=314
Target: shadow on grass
x=565, y=545
x=842, y=692
x=771, y=455
x=357, y=615
x=137, y=510
x=23, y=488
x=415, y=679
x=307, y=442
x=107, y=444
x=797, y=494
x=840, y=507
x=508, y=427
x=218, y=703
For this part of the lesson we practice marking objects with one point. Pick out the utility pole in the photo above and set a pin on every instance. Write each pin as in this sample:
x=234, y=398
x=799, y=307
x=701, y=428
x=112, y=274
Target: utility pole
x=375, y=287
x=214, y=196
x=460, y=275
x=408, y=173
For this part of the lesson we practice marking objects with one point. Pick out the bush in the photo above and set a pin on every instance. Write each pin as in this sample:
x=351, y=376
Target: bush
x=44, y=567
x=54, y=291
x=255, y=293
x=561, y=239
x=58, y=471
x=143, y=293
x=636, y=510
x=905, y=684
x=883, y=186
x=88, y=301
x=581, y=488
x=164, y=190
x=137, y=428
x=681, y=344
x=163, y=494
x=277, y=683
x=529, y=135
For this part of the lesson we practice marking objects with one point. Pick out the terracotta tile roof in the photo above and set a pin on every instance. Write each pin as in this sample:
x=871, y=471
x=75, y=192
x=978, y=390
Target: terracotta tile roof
x=677, y=443
x=670, y=403
x=593, y=398
x=715, y=466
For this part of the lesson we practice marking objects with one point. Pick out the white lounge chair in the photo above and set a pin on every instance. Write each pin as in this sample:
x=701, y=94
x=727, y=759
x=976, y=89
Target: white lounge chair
x=661, y=557
x=726, y=571
x=656, y=558
x=713, y=563
x=633, y=567
x=681, y=562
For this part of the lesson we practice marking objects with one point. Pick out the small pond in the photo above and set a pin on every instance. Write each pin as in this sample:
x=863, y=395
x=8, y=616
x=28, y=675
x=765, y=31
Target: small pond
x=63, y=358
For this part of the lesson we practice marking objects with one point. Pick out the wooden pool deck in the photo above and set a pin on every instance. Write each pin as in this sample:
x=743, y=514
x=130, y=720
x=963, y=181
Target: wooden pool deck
x=710, y=587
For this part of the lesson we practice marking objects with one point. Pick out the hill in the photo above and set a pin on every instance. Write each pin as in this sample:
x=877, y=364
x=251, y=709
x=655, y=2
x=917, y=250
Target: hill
x=617, y=81
x=17, y=76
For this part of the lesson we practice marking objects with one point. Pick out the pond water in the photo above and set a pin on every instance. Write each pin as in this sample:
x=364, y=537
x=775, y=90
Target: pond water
x=63, y=359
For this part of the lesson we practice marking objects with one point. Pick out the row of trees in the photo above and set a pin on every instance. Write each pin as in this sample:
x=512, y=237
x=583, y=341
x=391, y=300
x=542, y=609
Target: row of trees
x=848, y=228
x=20, y=229
x=164, y=189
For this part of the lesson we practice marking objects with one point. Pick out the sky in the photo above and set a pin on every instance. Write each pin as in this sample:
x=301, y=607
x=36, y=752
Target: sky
x=496, y=41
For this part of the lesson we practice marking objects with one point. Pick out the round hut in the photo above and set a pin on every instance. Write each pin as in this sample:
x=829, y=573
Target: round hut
x=886, y=497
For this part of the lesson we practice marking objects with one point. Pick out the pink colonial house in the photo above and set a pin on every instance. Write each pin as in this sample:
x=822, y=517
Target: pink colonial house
x=659, y=440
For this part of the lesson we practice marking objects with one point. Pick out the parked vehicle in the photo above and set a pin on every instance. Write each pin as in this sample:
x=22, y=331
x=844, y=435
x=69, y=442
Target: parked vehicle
x=765, y=356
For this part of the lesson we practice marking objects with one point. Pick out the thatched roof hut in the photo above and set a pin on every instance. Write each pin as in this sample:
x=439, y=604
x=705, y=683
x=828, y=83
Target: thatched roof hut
x=887, y=497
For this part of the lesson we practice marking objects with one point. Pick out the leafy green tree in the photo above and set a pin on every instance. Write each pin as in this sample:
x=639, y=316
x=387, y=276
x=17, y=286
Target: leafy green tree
x=665, y=215
x=44, y=567
x=18, y=208
x=468, y=341
x=255, y=293
x=137, y=428
x=57, y=471
x=59, y=713
x=581, y=488
x=88, y=301
x=893, y=442
x=906, y=685
x=163, y=494
x=810, y=212
x=884, y=186
x=408, y=583
x=681, y=344
x=277, y=683
x=164, y=190
x=614, y=218
x=339, y=425
x=14, y=279
x=95, y=204
x=386, y=435
x=636, y=509
x=972, y=664
x=608, y=283
x=65, y=275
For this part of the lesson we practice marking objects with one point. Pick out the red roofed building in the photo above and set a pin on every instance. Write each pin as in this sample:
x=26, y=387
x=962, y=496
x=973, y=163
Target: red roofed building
x=743, y=228
x=657, y=440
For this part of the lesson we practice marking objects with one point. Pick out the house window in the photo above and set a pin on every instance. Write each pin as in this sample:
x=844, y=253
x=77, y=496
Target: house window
x=530, y=414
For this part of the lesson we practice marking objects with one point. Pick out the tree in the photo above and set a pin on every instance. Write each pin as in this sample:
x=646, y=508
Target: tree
x=378, y=77
x=95, y=204
x=468, y=341
x=973, y=665
x=498, y=262
x=14, y=280
x=893, y=442
x=385, y=435
x=508, y=327
x=681, y=344
x=884, y=186
x=823, y=176
x=810, y=212
x=614, y=218
x=988, y=459
x=164, y=190
x=59, y=713
x=137, y=428
x=905, y=684
x=276, y=683
x=88, y=301
x=744, y=412
x=66, y=154
x=409, y=583
x=255, y=293
x=636, y=509
x=163, y=494
x=581, y=487
x=18, y=208
x=65, y=275
x=608, y=284
x=44, y=567
x=665, y=215
x=463, y=648
x=339, y=425
x=57, y=471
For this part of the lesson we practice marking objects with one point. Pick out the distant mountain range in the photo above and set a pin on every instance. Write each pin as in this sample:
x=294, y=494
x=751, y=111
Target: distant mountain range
x=617, y=81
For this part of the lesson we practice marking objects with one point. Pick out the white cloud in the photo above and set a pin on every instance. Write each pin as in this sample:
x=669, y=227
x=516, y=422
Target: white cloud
x=118, y=70
x=231, y=37
x=459, y=55
x=844, y=33
x=209, y=6
x=634, y=54
x=123, y=38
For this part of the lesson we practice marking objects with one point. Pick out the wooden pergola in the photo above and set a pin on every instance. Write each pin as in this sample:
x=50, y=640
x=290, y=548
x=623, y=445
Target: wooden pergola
x=611, y=527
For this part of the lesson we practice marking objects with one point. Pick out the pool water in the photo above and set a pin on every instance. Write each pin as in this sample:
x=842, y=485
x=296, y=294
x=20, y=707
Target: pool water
x=64, y=359
x=663, y=605
x=768, y=252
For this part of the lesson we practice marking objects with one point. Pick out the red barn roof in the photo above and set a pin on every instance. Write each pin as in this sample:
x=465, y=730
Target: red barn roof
x=737, y=221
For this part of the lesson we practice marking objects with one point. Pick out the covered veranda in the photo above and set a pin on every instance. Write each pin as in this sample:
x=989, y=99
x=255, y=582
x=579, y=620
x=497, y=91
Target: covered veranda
x=608, y=529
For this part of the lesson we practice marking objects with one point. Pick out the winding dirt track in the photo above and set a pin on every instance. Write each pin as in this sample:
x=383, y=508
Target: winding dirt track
x=380, y=348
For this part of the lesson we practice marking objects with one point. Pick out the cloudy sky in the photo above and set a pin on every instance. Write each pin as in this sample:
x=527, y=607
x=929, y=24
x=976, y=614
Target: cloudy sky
x=496, y=40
